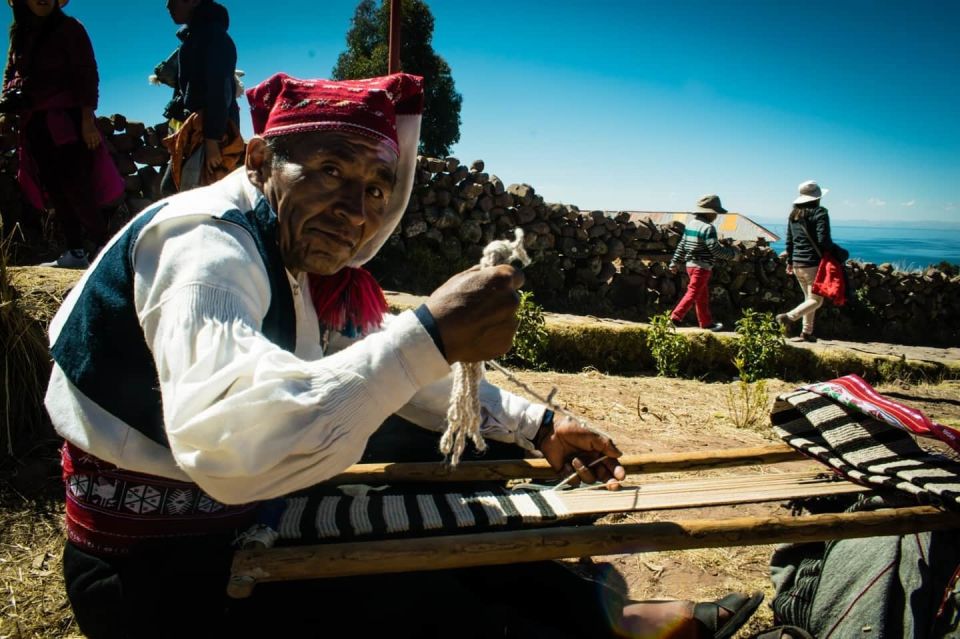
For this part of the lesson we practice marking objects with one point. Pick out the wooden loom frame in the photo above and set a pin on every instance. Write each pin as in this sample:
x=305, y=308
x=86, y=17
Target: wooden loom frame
x=557, y=542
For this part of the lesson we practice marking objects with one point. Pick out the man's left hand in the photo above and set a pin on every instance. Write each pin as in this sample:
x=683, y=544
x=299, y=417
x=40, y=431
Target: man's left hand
x=570, y=447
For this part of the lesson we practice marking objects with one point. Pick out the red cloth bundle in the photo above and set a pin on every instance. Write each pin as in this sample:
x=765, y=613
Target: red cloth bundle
x=830, y=282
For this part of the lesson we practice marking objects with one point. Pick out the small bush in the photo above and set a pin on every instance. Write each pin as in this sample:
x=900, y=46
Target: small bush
x=530, y=341
x=748, y=404
x=668, y=347
x=760, y=346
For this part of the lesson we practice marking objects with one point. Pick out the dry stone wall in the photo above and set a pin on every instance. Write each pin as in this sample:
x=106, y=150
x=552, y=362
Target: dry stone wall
x=140, y=156
x=586, y=262
x=592, y=262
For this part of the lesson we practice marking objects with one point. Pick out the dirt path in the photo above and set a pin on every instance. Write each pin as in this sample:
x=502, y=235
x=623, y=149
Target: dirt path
x=949, y=355
x=653, y=414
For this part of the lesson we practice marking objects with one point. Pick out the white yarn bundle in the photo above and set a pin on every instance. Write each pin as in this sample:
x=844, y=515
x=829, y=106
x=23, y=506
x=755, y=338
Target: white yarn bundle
x=463, y=416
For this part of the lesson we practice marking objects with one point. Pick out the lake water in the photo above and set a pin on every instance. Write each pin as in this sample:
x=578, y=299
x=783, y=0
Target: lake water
x=907, y=248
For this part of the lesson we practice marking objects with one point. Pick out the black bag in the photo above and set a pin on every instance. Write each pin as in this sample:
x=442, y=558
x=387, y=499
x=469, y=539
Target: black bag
x=840, y=253
x=13, y=102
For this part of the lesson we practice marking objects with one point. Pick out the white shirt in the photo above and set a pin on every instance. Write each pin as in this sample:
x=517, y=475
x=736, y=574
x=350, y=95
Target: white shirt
x=245, y=419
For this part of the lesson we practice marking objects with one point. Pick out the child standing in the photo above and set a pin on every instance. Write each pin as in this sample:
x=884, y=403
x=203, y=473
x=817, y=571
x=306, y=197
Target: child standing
x=699, y=249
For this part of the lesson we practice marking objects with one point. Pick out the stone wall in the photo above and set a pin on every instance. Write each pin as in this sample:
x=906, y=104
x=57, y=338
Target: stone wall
x=585, y=262
x=140, y=156
x=590, y=262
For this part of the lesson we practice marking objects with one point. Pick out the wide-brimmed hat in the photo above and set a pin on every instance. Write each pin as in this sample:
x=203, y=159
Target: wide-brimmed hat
x=709, y=204
x=809, y=192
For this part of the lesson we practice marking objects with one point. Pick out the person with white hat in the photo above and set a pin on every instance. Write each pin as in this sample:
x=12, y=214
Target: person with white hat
x=808, y=237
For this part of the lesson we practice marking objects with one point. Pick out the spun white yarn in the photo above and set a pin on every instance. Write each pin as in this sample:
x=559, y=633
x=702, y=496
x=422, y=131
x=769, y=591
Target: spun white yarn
x=463, y=416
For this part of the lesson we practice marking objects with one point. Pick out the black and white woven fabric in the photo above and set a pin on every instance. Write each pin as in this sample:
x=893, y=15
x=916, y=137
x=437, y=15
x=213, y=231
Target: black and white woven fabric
x=341, y=517
x=863, y=449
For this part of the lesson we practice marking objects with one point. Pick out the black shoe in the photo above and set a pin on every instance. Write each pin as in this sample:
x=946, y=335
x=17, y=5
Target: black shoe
x=714, y=327
x=804, y=337
x=784, y=320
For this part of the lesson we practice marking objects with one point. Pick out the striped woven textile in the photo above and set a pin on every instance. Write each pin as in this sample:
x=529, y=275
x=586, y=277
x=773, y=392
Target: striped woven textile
x=864, y=449
x=341, y=517
x=853, y=392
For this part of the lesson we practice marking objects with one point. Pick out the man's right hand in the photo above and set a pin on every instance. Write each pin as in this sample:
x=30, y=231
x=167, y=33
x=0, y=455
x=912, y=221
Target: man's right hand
x=674, y=269
x=475, y=312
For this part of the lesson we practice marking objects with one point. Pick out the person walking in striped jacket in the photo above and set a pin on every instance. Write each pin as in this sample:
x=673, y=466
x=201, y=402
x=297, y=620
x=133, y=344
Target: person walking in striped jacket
x=699, y=249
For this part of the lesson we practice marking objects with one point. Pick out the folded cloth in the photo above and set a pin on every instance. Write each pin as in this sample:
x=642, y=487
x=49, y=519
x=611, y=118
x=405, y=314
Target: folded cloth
x=869, y=442
x=853, y=392
x=830, y=282
x=188, y=141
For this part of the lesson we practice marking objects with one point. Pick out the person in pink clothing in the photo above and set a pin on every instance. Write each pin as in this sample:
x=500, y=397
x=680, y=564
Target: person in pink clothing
x=50, y=92
x=699, y=249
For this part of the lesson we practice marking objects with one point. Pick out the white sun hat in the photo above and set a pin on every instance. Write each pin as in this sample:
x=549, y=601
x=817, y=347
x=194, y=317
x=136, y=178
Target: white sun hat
x=810, y=191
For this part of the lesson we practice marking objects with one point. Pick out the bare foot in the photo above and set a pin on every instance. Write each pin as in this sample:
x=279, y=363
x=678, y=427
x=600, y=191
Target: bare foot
x=665, y=620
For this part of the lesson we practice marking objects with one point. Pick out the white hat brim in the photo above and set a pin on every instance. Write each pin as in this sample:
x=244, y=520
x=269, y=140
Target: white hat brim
x=408, y=137
x=810, y=198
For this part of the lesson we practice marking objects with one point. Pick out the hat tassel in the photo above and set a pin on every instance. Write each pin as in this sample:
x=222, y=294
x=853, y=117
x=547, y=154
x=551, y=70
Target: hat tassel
x=350, y=301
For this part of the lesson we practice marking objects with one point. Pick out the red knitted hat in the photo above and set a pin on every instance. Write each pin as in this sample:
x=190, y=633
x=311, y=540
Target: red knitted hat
x=389, y=109
x=281, y=105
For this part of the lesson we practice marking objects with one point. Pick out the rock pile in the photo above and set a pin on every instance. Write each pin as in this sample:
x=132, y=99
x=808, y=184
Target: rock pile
x=609, y=264
x=589, y=262
x=140, y=156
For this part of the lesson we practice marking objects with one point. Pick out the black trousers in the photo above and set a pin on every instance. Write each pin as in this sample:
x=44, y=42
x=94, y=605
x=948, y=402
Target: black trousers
x=178, y=589
x=66, y=174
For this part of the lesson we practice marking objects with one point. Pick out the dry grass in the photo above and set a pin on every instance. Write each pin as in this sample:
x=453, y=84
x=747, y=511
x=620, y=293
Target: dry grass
x=642, y=414
x=33, y=603
x=22, y=373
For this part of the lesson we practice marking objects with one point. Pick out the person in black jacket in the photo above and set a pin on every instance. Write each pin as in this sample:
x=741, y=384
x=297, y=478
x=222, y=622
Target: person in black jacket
x=808, y=236
x=206, y=64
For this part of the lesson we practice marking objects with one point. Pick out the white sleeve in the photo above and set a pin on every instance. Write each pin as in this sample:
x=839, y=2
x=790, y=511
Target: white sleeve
x=505, y=417
x=247, y=420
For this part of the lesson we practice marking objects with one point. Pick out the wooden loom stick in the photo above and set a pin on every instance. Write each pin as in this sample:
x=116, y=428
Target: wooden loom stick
x=540, y=469
x=707, y=491
x=458, y=551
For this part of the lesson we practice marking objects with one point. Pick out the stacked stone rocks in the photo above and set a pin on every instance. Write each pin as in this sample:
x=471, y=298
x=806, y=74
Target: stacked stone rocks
x=588, y=262
x=140, y=156
x=610, y=264
x=455, y=211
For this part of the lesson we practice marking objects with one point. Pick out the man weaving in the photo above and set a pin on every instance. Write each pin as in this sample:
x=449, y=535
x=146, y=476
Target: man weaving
x=195, y=377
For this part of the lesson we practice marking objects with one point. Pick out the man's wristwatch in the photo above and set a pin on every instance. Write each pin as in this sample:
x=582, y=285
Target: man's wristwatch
x=546, y=427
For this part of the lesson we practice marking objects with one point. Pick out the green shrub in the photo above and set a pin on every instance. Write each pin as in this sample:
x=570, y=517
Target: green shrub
x=760, y=346
x=668, y=347
x=530, y=341
x=748, y=404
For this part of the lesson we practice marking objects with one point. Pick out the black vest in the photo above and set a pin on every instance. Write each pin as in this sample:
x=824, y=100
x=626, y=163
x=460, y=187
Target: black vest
x=101, y=348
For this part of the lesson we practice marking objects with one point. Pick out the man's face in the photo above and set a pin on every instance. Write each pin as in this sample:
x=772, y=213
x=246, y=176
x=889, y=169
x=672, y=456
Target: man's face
x=181, y=10
x=330, y=195
x=41, y=8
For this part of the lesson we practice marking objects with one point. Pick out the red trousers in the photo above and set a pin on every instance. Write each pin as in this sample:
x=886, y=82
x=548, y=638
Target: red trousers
x=698, y=294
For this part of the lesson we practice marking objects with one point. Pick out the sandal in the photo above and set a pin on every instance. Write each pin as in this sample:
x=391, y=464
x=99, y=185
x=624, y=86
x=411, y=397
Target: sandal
x=740, y=605
x=782, y=632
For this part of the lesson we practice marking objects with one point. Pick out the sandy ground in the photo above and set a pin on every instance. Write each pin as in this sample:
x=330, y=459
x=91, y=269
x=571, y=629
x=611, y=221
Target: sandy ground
x=642, y=414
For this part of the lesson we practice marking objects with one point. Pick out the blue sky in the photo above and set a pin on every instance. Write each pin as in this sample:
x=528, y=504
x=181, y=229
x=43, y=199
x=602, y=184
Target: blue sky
x=639, y=104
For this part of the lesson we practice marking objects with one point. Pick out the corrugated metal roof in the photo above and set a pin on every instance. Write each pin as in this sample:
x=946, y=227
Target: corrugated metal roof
x=735, y=226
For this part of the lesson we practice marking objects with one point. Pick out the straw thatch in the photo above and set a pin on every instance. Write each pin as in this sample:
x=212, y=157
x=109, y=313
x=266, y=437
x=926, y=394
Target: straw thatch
x=28, y=300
